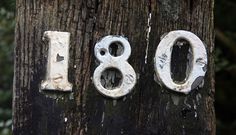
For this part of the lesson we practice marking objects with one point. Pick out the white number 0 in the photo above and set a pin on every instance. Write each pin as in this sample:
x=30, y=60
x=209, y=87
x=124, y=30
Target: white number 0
x=163, y=61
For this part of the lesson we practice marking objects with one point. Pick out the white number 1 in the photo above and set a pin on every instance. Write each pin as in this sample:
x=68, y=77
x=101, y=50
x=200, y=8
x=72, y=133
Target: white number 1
x=57, y=62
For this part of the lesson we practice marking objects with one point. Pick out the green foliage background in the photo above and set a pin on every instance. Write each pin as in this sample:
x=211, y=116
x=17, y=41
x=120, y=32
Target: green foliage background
x=7, y=8
x=225, y=59
x=225, y=52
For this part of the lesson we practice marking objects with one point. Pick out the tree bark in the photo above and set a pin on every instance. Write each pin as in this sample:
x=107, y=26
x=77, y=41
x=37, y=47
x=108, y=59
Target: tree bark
x=149, y=108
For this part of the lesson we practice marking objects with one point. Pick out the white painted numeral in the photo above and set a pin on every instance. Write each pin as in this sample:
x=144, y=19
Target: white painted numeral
x=57, y=61
x=107, y=61
x=163, y=61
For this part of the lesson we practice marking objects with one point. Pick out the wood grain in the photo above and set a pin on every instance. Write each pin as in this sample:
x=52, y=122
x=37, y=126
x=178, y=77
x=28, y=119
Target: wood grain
x=149, y=109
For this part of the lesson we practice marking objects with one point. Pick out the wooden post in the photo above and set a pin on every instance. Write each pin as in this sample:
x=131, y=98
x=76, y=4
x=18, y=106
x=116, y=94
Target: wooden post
x=149, y=108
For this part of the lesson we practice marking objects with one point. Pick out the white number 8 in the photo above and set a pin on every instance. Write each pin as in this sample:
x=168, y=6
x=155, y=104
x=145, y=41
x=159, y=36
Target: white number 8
x=107, y=61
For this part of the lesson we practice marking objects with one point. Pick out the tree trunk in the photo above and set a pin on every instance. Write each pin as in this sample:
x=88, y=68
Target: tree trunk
x=149, y=108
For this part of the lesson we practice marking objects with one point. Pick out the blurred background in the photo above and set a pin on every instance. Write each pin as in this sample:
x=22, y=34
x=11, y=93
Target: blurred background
x=225, y=68
x=7, y=16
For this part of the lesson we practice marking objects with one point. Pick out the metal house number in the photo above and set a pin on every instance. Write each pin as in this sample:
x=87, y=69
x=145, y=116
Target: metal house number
x=120, y=62
x=56, y=77
x=163, y=60
x=57, y=65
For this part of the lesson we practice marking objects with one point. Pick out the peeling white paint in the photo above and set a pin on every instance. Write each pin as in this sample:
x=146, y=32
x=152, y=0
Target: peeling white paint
x=195, y=109
x=183, y=127
x=71, y=96
x=163, y=61
x=122, y=131
x=194, y=105
x=198, y=97
x=114, y=102
x=201, y=84
x=65, y=119
x=86, y=127
x=57, y=62
x=103, y=116
x=175, y=99
x=148, y=35
x=131, y=97
x=185, y=102
x=124, y=98
x=101, y=52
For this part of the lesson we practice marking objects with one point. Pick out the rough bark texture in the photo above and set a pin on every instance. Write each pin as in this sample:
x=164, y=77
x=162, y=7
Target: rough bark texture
x=149, y=108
